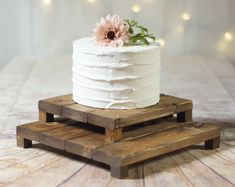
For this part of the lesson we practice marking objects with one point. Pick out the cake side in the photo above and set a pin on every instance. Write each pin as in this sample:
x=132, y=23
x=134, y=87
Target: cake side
x=115, y=77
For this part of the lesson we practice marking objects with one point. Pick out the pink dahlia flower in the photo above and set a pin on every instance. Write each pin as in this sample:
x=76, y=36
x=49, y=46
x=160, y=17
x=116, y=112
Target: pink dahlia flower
x=111, y=31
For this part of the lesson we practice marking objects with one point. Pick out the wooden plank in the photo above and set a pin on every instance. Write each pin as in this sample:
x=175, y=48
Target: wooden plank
x=212, y=143
x=113, y=135
x=54, y=105
x=89, y=176
x=27, y=166
x=163, y=171
x=181, y=169
x=119, y=171
x=148, y=129
x=45, y=117
x=135, y=177
x=135, y=150
x=52, y=174
x=112, y=119
x=216, y=162
x=197, y=172
x=185, y=116
x=184, y=105
x=56, y=138
x=76, y=112
x=23, y=142
x=31, y=130
x=84, y=145
x=180, y=103
x=10, y=160
x=121, y=118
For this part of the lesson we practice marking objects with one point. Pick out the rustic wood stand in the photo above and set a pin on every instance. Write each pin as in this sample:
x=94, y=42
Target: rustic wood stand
x=117, y=138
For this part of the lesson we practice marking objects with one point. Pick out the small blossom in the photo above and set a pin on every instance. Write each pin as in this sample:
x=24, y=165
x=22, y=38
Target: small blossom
x=111, y=31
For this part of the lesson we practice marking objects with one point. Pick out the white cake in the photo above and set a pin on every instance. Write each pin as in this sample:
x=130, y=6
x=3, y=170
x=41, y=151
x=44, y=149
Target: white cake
x=107, y=77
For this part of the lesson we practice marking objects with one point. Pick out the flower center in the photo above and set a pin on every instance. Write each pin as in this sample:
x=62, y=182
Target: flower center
x=110, y=35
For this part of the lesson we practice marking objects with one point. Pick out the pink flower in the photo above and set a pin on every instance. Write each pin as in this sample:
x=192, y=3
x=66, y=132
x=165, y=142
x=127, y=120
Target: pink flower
x=111, y=31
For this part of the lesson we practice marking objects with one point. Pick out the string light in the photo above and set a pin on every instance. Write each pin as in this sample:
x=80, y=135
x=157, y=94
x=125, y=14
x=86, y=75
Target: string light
x=228, y=36
x=135, y=8
x=47, y=2
x=186, y=16
x=91, y=1
x=161, y=42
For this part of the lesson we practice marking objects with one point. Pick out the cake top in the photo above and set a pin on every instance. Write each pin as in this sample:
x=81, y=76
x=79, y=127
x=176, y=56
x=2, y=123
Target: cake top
x=88, y=44
x=116, y=35
x=116, y=32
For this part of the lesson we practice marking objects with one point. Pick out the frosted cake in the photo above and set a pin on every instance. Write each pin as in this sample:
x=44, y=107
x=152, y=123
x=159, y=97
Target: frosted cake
x=113, y=74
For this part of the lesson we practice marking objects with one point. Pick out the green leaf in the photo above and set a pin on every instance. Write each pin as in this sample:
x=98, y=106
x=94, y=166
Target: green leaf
x=145, y=41
x=131, y=30
x=134, y=22
x=142, y=28
x=152, y=37
x=138, y=33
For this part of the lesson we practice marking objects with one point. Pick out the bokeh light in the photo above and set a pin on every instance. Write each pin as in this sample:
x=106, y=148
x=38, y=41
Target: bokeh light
x=186, y=16
x=228, y=36
x=161, y=42
x=135, y=8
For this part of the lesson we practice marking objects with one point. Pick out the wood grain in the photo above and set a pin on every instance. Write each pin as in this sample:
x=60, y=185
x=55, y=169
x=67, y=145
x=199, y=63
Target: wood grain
x=113, y=135
x=135, y=150
x=91, y=143
x=45, y=117
x=85, y=145
x=54, y=105
x=168, y=105
x=23, y=142
x=77, y=112
x=31, y=130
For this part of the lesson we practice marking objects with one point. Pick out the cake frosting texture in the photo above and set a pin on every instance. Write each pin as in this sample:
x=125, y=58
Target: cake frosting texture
x=125, y=77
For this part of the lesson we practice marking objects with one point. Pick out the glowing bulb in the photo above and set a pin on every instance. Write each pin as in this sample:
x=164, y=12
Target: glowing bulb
x=91, y=1
x=161, y=42
x=46, y=2
x=228, y=36
x=135, y=8
x=185, y=16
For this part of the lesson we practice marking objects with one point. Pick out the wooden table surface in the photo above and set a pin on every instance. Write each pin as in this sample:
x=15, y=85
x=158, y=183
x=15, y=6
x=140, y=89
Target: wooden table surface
x=209, y=82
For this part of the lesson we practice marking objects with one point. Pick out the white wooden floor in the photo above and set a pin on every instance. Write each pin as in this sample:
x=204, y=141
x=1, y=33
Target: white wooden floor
x=209, y=82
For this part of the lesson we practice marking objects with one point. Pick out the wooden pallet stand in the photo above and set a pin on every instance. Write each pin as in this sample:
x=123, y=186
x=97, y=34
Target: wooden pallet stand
x=117, y=138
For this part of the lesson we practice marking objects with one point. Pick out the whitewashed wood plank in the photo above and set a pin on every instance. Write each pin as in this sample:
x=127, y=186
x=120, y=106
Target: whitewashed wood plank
x=88, y=176
x=7, y=142
x=9, y=150
x=163, y=171
x=26, y=167
x=196, y=172
x=100, y=176
x=50, y=175
x=10, y=160
x=218, y=164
